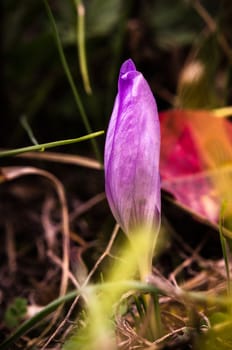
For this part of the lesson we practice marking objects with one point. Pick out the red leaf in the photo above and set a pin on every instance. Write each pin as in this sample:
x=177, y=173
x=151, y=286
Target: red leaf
x=196, y=147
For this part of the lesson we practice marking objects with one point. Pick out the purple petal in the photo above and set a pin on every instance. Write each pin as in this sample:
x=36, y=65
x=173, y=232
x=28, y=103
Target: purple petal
x=132, y=151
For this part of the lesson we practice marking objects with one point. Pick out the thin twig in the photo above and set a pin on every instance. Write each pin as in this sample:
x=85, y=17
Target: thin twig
x=59, y=263
x=211, y=24
x=63, y=158
x=83, y=208
x=102, y=257
x=49, y=228
x=10, y=246
x=10, y=173
x=166, y=336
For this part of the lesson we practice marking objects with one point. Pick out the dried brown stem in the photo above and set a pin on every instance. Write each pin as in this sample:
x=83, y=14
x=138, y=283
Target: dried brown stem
x=212, y=26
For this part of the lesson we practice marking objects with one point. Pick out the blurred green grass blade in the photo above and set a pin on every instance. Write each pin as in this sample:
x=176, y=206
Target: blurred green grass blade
x=157, y=316
x=128, y=285
x=48, y=309
x=28, y=129
x=27, y=325
x=43, y=146
x=223, y=245
x=41, y=92
x=102, y=17
x=81, y=45
x=70, y=79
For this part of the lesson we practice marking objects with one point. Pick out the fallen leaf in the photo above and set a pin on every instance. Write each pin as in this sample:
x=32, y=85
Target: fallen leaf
x=196, y=161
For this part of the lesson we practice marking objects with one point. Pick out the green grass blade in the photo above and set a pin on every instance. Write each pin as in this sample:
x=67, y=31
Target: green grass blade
x=47, y=310
x=28, y=129
x=223, y=245
x=41, y=147
x=128, y=285
x=81, y=45
x=27, y=325
x=157, y=313
x=70, y=78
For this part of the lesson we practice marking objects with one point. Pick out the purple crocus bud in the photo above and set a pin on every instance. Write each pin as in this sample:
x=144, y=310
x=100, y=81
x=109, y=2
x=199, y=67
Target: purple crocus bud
x=132, y=150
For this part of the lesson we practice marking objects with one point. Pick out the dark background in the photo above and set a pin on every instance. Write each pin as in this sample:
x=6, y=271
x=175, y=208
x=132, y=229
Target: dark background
x=160, y=36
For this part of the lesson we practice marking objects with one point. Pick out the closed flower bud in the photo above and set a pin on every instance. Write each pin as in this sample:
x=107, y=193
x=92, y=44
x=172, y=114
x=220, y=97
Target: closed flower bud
x=132, y=150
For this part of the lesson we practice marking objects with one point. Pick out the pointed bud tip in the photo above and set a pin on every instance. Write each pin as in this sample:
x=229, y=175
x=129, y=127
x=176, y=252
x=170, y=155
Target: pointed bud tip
x=132, y=153
x=127, y=66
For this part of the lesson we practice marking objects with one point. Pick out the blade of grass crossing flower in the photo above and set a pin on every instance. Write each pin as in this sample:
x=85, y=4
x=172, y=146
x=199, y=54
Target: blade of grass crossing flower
x=70, y=78
x=81, y=45
x=43, y=146
x=223, y=245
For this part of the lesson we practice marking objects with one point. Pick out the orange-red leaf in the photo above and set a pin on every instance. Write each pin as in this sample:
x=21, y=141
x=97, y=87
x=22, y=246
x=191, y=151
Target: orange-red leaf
x=196, y=160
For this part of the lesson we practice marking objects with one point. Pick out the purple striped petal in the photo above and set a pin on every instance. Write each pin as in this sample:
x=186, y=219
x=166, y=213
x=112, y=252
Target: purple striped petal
x=132, y=150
